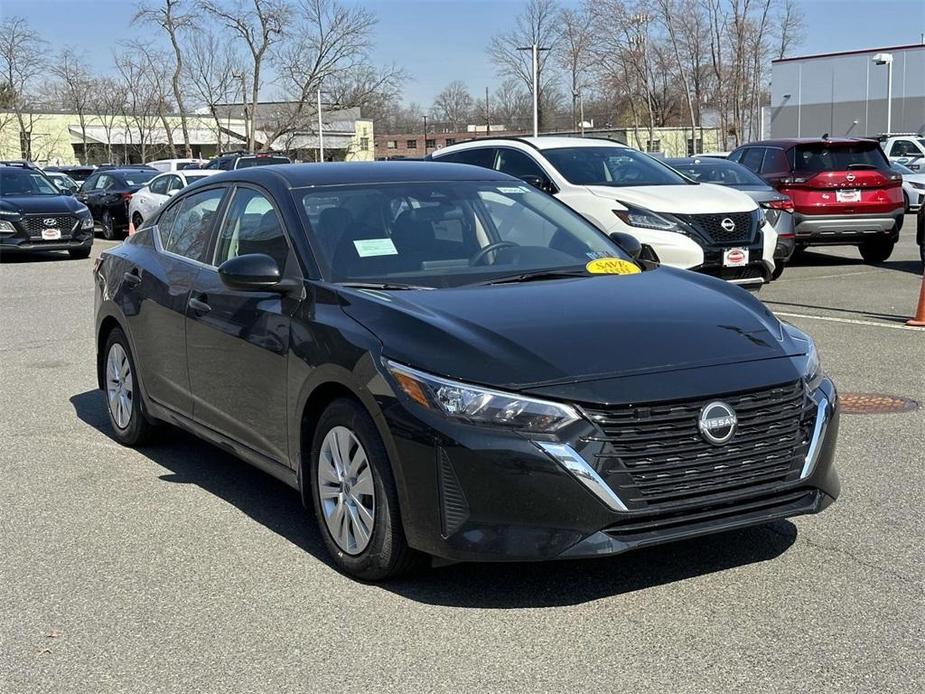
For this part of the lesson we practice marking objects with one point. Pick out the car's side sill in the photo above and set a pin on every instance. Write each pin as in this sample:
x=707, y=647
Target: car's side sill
x=272, y=467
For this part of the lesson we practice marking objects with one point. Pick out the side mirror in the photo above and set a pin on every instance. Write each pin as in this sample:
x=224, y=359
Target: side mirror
x=628, y=243
x=251, y=272
x=172, y=192
x=537, y=182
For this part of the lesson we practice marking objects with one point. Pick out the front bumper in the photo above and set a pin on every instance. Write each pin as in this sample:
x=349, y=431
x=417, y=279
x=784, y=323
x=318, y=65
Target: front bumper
x=20, y=243
x=471, y=494
x=845, y=229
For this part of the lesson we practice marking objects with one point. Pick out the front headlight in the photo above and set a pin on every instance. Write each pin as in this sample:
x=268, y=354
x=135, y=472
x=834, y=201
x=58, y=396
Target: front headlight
x=810, y=366
x=646, y=219
x=919, y=186
x=86, y=222
x=477, y=405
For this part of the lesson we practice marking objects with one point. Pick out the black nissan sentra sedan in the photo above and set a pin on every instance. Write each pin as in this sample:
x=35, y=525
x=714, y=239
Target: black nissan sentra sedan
x=446, y=362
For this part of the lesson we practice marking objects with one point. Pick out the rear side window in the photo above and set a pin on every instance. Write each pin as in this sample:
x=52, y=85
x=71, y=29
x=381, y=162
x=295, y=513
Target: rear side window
x=159, y=186
x=478, y=156
x=190, y=230
x=815, y=158
x=751, y=159
x=775, y=161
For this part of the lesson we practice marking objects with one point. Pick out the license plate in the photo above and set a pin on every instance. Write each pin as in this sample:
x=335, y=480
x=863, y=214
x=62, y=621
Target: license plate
x=735, y=257
x=51, y=234
x=848, y=195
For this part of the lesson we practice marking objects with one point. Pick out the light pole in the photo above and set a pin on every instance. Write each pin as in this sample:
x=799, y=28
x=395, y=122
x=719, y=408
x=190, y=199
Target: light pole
x=535, y=54
x=425, y=136
x=887, y=59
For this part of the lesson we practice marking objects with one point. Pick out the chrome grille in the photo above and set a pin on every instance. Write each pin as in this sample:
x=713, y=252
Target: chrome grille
x=35, y=223
x=710, y=226
x=654, y=456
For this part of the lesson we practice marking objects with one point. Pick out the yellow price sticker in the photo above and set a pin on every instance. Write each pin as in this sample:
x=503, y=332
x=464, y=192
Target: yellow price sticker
x=612, y=266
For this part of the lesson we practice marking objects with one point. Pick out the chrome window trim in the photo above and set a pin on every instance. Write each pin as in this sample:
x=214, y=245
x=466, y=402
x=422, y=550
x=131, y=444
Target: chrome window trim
x=569, y=458
x=822, y=423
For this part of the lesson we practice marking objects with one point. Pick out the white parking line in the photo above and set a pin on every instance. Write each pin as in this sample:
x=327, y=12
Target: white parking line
x=849, y=320
x=827, y=277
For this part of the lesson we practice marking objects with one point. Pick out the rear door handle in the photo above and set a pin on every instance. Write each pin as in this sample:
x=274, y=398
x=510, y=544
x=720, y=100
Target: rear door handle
x=131, y=278
x=199, y=306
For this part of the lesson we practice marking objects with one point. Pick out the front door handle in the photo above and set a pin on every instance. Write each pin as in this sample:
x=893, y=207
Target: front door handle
x=199, y=306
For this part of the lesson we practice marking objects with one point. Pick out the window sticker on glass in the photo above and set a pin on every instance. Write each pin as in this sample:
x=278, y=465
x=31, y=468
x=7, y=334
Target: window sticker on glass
x=512, y=189
x=369, y=248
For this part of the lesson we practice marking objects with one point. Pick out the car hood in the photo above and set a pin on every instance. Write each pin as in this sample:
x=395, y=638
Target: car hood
x=570, y=336
x=703, y=198
x=41, y=204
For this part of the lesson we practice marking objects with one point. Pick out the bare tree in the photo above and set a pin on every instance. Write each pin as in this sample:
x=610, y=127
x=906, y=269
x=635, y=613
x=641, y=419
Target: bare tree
x=107, y=102
x=210, y=69
x=453, y=105
x=73, y=88
x=374, y=90
x=538, y=24
x=169, y=15
x=511, y=105
x=141, y=106
x=670, y=13
x=574, y=53
x=789, y=26
x=259, y=24
x=329, y=41
x=157, y=63
x=22, y=63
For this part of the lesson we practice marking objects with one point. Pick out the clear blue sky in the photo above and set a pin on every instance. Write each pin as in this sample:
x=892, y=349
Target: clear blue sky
x=442, y=40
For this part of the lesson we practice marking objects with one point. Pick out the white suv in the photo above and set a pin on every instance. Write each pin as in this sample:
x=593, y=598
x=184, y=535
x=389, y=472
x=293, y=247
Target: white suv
x=715, y=230
x=908, y=150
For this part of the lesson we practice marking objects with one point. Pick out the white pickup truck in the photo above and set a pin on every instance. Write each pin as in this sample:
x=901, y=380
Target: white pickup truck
x=908, y=150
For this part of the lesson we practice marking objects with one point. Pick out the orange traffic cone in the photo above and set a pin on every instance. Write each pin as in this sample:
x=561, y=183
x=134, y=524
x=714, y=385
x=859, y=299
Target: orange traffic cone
x=919, y=319
x=131, y=228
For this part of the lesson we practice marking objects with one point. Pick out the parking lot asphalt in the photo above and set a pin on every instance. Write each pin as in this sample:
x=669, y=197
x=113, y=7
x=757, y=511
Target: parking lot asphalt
x=176, y=568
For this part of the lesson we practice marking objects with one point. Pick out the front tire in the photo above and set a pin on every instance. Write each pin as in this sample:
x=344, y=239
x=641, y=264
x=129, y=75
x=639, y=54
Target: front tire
x=354, y=495
x=876, y=251
x=123, y=396
x=778, y=270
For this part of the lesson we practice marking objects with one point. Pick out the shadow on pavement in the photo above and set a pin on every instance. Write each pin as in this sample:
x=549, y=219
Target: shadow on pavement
x=32, y=256
x=810, y=258
x=891, y=317
x=487, y=586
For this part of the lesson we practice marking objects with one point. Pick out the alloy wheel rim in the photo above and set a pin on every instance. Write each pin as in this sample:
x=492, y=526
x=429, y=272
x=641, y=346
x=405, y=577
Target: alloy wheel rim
x=346, y=490
x=119, y=386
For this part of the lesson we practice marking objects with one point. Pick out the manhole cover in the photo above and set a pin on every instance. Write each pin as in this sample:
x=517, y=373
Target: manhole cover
x=875, y=403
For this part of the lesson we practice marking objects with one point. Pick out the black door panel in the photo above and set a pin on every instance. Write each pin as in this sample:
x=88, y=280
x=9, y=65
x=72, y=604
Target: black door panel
x=238, y=350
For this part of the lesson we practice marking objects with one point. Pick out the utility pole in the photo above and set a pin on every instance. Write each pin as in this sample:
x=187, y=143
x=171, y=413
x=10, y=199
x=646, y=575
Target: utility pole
x=487, y=115
x=535, y=54
x=425, y=136
x=247, y=130
x=320, y=130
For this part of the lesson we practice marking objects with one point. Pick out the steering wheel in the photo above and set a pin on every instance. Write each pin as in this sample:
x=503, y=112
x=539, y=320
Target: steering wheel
x=497, y=245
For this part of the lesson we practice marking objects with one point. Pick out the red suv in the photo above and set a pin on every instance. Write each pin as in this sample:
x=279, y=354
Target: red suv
x=843, y=190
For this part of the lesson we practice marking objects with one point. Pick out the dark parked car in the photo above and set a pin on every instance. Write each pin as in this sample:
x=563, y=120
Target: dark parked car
x=108, y=192
x=231, y=161
x=36, y=216
x=778, y=208
x=445, y=361
x=78, y=173
x=843, y=190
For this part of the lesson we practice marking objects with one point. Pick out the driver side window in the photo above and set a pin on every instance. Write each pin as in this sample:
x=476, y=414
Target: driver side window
x=159, y=185
x=252, y=225
x=518, y=164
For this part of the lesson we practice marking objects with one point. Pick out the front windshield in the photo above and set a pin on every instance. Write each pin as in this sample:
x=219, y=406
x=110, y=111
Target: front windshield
x=611, y=166
x=25, y=182
x=720, y=173
x=446, y=234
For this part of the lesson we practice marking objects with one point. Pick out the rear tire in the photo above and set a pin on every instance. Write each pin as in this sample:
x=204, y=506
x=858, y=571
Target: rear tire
x=122, y=390
x=79, y=253
x=876, y=250
x=108, y=226
x=360, y=480
x=778, y=270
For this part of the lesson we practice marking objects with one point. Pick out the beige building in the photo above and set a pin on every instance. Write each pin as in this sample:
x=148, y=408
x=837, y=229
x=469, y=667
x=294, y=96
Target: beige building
x=57, y=138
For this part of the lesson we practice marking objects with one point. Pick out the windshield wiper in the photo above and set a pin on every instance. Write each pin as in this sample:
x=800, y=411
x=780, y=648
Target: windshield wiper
x=380, y=285
x=537, y=275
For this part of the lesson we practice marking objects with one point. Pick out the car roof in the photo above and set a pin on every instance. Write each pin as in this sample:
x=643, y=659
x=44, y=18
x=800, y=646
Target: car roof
x=791, y=141
x=345, y=173
x=540, y=143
